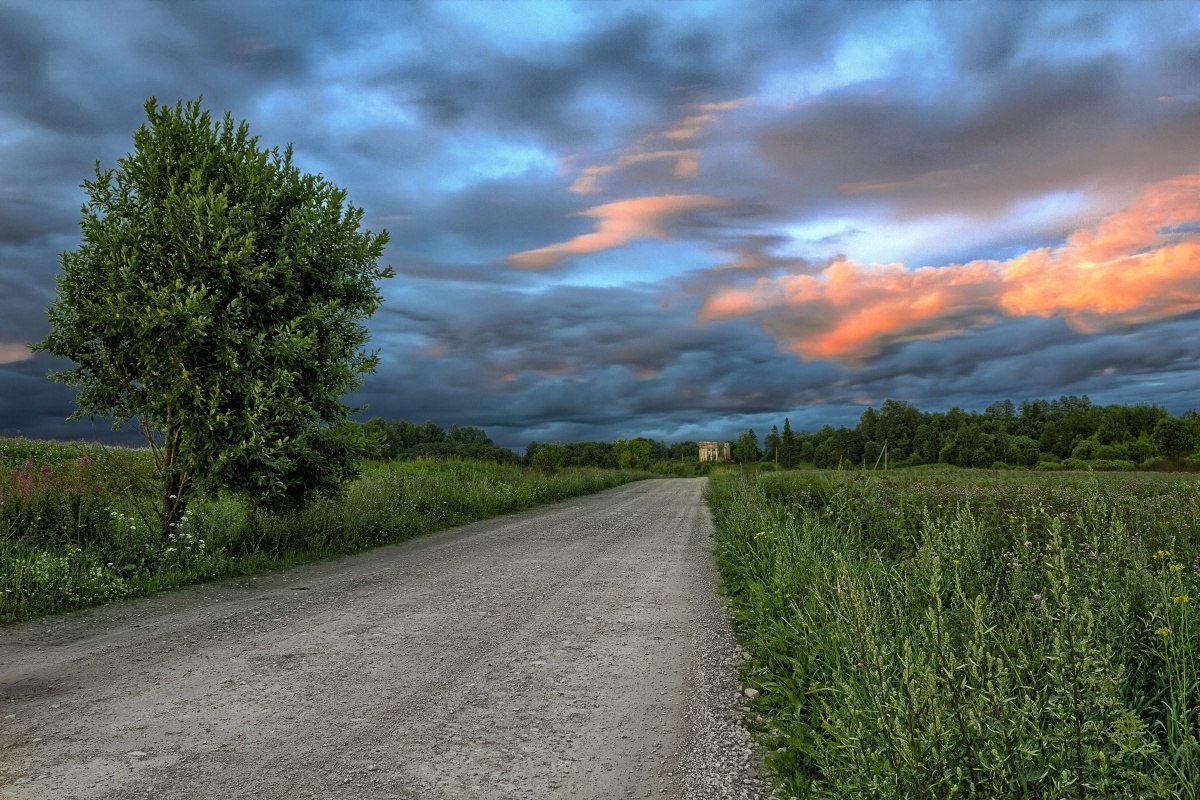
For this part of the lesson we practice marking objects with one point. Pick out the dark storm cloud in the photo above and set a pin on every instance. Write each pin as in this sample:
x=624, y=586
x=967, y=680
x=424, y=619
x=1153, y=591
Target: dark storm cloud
x=610, y=360
x=31, y=405
x=464, y=142
x=499, y=216
x=986, y=48
x=628, y=71
x=554, y=92
x=1029, y=358
x=1037, y=129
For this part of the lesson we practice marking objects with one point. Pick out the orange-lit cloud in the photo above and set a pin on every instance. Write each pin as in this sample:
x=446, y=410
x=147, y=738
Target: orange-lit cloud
x=651, y=148
x=619, y=223
x=706, y=114
x=686, y=166
x=1135, y=265
x=11, y=353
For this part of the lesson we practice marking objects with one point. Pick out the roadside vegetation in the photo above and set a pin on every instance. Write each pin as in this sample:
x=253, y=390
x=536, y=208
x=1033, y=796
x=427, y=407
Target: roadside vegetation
x=955, y=633
x=79, y=524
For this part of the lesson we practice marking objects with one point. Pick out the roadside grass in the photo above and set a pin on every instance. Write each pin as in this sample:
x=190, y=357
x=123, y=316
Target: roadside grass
x=969, y=634
x=76, y=527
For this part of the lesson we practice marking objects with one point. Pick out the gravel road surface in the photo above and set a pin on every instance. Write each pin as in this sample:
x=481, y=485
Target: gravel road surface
x=576, y=651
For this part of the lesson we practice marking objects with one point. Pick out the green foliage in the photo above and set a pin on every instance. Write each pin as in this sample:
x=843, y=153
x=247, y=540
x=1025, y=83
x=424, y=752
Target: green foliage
x=216, y=298
x=633, y=453
x=549, y=458
x=771, y=445
x=789, y=448
x=71, y=535
x=389, y=440
x=684, y=450
x=944, y=634
x=1174, y=438
x=745, y=449
x=1070, y=430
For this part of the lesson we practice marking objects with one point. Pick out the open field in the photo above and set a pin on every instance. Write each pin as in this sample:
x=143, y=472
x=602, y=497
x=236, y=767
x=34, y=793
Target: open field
x=969, y=634
x=77, y=529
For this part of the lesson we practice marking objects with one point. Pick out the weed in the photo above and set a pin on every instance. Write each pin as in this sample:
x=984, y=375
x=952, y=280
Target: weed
x=969, y=635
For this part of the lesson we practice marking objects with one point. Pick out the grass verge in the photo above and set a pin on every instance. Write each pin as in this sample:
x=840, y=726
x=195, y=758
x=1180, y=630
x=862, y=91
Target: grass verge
x=71, y=535
x=969, y=634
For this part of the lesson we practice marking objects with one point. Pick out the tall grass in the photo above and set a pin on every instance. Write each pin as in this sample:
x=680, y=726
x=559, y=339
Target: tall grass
x=76, y=530
x=967, y=635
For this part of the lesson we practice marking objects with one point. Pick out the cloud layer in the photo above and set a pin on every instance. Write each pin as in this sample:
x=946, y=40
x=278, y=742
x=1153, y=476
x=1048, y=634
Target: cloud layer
x=1137, y=265
x=620, y=223
x=613, y=219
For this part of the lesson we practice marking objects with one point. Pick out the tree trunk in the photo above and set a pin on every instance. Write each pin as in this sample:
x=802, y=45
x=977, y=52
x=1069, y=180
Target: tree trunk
x=176, y=485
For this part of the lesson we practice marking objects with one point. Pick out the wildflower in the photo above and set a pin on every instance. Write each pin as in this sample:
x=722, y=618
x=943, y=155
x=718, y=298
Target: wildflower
x=1161, y=554
x=84, y=460
x=1037, y=597
x=1177, y=567
x=956, y=562
x=1181, y=598
x=1163, y=632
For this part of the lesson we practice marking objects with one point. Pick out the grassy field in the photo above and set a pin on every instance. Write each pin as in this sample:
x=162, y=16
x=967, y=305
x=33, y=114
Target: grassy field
x=77, y=529
x=969, y=634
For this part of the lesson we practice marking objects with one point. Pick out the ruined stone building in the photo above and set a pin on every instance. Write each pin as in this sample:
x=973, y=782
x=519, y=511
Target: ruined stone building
x=714, y=451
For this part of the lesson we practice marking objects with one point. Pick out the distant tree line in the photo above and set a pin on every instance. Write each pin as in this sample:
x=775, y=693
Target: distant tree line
x=392, y=440
x=638, y=453
x=1068, y=432
x=399, y=439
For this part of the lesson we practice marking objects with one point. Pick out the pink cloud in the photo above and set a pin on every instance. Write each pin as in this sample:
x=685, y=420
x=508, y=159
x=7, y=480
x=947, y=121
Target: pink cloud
x=706, y=114
x=662, y=145
x=11, y=353
x=1136, y=265
x=619, y=223
x=686, y=166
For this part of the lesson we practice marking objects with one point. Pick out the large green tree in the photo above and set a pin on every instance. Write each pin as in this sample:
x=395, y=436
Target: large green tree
x=789, y=448
x=1174, y=437
x=217, y=299
x=633, y=453
x=745, y=449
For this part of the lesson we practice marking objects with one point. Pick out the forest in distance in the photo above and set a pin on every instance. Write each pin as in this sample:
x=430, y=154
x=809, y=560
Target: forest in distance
x=1070, y=432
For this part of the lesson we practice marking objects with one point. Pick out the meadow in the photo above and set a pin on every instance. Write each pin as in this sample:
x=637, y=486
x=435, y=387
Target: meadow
x=77, y=526
x=960, y=633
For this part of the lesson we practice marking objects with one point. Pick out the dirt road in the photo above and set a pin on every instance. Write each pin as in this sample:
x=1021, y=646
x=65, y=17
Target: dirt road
x=574, y=651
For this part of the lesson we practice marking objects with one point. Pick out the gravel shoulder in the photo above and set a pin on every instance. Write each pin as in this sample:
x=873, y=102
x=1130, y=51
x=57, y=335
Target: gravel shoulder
x=576, y=650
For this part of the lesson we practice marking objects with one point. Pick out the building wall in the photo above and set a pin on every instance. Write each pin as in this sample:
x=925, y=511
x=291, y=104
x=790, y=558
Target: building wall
x=714, y=451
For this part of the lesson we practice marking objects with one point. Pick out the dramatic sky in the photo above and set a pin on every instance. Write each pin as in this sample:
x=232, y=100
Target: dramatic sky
x=674, y=219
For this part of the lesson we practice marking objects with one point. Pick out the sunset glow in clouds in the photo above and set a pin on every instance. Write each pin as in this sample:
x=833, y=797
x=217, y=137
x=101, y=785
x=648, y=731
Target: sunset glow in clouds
x=620, y=223
x=682, y=220
x=1136, y=265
